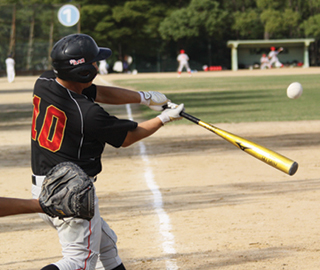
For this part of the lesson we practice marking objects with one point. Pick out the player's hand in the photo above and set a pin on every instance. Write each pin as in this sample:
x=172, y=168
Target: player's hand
x=154, y=100
x=171, y=113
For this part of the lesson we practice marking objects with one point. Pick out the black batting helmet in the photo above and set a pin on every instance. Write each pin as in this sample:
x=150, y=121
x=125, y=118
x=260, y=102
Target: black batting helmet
x=73, y=55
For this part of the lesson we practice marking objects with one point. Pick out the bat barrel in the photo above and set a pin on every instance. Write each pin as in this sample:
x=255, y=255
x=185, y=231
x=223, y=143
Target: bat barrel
x=293, y=168
x=266, y=155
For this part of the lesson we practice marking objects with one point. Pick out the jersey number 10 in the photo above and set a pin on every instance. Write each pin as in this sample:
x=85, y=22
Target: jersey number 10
x=52, y=128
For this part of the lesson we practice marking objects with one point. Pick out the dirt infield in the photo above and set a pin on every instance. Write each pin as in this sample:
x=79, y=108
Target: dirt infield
x=184, y=198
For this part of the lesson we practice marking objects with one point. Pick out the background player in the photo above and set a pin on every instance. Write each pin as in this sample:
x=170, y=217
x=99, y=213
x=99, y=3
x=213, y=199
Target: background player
x=183, y=59
x=68, y=125
x=264, y=62
x=10, y=63
x=103, y=67
x=273, y=57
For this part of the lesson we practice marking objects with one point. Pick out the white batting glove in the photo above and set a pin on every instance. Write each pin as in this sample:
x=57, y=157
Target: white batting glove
x=154, y=100
x=172, y=113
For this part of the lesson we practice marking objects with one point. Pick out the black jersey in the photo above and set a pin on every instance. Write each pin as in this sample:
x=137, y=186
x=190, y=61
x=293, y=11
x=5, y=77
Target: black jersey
x=67, y=126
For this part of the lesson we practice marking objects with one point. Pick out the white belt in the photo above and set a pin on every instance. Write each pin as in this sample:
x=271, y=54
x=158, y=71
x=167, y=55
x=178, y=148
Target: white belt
x=37, y=180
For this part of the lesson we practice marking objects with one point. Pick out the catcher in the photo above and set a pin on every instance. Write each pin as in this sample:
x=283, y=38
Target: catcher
x=69, y=126
x=16, y=206
x=66, y=191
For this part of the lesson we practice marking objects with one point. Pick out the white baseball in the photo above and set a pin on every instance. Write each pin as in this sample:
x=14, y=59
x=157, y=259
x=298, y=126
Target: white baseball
x=294, y=90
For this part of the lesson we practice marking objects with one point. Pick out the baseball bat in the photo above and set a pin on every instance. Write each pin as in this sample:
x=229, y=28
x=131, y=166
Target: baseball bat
x=266, y=155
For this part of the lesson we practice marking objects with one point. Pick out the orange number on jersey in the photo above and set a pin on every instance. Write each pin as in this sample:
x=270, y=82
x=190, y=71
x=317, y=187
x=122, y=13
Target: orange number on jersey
x=53, y=126
x=36, y=104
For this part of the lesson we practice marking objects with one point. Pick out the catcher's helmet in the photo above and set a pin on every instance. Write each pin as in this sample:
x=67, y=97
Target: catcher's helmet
x=73, y=55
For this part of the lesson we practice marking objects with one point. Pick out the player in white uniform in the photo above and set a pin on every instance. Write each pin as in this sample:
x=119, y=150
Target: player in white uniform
x=183, y=59
x=273, y=57
x=264, y=62
x=103, y=67
x=10, y=69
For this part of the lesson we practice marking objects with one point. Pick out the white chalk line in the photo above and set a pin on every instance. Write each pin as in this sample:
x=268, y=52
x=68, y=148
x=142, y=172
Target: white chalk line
x=164, y=220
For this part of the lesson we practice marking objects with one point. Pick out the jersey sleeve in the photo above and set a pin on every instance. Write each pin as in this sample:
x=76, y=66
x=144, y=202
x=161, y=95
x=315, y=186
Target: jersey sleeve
x=106, y=128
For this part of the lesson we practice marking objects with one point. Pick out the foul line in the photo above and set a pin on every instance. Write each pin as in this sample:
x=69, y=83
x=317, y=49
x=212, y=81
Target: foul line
x=164, y=219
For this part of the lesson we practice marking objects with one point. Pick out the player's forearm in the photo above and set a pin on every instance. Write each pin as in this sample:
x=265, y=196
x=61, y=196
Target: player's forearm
x=14, y=206
x=144, y=129
x=116, y=95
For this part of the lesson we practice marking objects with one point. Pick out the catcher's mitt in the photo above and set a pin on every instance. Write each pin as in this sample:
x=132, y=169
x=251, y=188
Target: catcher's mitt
x=67, y=191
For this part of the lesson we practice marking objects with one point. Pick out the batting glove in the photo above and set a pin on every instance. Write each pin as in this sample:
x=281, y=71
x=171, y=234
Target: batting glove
x=154, y=100
x=172, y=112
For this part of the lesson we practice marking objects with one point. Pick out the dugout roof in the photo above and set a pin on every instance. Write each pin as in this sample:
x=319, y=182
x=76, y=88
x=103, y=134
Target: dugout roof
x=295, y=44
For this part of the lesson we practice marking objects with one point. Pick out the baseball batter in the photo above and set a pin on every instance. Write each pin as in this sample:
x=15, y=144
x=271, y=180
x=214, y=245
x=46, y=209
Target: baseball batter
x=183, y=60
x=68, y=125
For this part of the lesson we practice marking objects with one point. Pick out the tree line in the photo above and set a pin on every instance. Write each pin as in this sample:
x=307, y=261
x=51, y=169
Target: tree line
x=153, y=31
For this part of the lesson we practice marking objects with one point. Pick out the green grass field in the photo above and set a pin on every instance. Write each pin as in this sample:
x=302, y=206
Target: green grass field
x=237, y=99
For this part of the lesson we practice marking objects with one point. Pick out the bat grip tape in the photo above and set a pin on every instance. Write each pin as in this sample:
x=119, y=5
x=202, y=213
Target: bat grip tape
x=190, y=117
